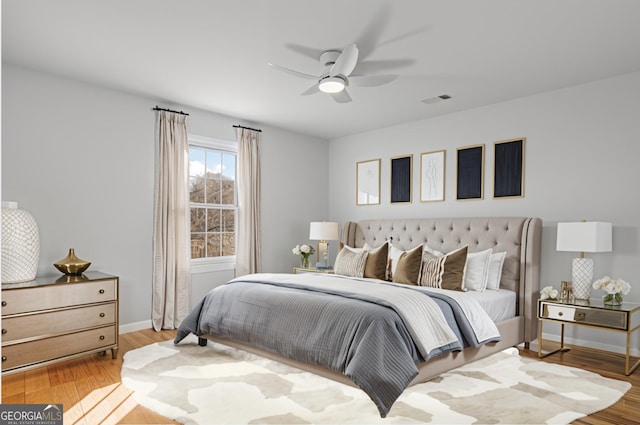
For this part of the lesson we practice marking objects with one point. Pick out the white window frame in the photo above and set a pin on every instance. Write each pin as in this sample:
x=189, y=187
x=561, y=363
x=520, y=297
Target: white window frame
x=214, y=264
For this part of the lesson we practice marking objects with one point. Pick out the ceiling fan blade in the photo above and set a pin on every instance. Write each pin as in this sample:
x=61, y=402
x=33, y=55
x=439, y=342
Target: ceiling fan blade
x=371, y=80
x=346, y=62
x=294, y=73
x=341, y=97
x=311, y=90
x=374, y=66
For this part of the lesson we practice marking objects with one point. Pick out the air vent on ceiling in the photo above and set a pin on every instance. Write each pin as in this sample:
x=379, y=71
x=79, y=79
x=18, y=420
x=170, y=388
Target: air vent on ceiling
x=436, y=99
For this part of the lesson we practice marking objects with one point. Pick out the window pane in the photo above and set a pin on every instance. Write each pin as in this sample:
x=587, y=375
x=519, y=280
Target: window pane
x=196, y=189
x=214, y=164
x=213, y=191
x=213, y=245
x=196, y=162
x=228, y=192
x=228, y=166
x=213, y=220
x=198, y=219
x=213, y=197
x=228, y=243
x=228, y=220
x=197, y=245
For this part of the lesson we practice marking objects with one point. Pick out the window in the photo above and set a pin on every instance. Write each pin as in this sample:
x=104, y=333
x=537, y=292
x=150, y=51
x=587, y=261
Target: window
x=212, y=199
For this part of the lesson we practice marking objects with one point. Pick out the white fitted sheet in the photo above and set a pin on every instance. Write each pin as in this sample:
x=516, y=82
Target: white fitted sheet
x=500, y=305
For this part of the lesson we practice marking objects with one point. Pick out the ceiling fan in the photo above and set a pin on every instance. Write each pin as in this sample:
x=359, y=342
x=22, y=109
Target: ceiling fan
x=335, y=78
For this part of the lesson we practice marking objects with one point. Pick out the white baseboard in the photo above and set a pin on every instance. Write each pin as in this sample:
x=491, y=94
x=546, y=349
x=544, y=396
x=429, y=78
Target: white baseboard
x=586, y=343
x=133, y=327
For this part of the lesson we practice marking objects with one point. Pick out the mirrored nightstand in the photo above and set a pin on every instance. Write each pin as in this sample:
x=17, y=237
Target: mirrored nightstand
x=624, y=318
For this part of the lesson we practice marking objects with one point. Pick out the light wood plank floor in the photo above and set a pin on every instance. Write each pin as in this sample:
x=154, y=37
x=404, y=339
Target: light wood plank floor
x=91, y=391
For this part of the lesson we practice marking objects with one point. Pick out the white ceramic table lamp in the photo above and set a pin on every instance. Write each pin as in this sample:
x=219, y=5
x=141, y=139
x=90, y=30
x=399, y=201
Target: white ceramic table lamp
x=585, y=236
x=323, y=231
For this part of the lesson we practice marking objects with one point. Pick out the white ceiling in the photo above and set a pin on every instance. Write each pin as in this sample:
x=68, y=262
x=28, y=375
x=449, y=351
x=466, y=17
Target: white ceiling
x=213, y=54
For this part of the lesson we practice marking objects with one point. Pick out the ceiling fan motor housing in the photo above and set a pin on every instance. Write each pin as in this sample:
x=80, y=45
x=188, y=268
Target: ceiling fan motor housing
x=329, y=57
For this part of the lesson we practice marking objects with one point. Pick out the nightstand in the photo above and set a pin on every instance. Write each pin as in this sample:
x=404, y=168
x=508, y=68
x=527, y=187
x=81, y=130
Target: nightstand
x=300, y=270
x=592, y=313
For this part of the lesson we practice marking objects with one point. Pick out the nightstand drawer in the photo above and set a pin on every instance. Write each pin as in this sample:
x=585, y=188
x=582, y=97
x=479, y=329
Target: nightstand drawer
x=614, y=319
x=560, y=312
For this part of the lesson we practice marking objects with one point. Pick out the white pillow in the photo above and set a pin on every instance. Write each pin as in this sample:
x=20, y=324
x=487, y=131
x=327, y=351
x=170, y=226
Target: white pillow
x=353, y=249
x=476, y=270
x=495, y=270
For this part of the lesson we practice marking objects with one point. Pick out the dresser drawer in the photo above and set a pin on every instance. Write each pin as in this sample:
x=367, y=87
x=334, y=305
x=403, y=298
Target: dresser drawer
x=56, y=322
x=56, y=296
x=42, y=350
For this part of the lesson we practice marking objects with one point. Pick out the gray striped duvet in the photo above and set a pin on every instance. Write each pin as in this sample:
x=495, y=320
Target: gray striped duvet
x=373, y=332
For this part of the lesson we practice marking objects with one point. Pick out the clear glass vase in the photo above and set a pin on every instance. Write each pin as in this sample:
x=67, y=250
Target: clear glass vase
x=304, y=261
x=612, y=299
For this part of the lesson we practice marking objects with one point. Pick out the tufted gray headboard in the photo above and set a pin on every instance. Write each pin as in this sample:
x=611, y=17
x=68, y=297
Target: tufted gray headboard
x=519, y=237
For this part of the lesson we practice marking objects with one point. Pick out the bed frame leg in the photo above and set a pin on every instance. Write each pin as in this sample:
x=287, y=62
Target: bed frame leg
x=202, y=342
x=526, y=345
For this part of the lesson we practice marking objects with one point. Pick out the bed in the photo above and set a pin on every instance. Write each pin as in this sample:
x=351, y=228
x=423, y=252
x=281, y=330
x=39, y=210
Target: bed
x=380, y=361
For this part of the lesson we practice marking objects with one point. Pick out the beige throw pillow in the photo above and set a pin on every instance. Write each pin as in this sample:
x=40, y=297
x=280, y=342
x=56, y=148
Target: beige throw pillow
x=408, y=268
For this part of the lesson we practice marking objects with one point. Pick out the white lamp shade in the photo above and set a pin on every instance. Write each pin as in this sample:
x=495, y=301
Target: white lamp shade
x=585, y=236
x=323, y=231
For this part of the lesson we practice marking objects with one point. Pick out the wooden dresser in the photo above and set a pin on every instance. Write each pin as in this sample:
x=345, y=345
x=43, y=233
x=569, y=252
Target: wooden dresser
x=56, y=318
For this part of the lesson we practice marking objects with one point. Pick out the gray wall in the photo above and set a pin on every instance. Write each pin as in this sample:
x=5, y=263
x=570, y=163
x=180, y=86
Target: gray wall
x=80, y=159
x=582, y=153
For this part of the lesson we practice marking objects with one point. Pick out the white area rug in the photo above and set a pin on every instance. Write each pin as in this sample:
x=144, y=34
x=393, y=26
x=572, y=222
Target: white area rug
x=220, y=385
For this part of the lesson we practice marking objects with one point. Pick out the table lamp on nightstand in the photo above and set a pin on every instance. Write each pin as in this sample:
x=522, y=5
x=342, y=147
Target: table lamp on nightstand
x=323, y=231
x=585, y=236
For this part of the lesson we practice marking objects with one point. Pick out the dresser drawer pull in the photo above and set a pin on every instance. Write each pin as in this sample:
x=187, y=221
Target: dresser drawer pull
x=101, y=291
x=560, y=313
x=101, y=337
x=4, y=331
x=102, y=315
x=4, y=358
x=4, y=303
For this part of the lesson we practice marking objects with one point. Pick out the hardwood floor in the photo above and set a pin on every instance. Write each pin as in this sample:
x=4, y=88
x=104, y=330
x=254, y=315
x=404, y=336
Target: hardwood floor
x=627, y=409
x=89, y=387
x=91, y=391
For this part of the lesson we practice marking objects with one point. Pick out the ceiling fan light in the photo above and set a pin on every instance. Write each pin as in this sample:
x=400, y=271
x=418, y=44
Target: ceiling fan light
x=331, y=85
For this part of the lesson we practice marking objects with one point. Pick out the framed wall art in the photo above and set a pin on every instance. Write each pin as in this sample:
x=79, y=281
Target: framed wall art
x=470, y=172
x=368, y=182
x=508, y=168
x=401, y=176
x=432, y=168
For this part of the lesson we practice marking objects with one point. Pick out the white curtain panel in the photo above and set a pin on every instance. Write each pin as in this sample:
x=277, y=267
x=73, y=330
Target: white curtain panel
x=248, y=249
x=171, y=253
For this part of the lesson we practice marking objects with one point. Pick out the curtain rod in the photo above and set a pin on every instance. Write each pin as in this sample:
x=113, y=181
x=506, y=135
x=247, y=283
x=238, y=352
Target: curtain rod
x=169, y=110
x=248, y=128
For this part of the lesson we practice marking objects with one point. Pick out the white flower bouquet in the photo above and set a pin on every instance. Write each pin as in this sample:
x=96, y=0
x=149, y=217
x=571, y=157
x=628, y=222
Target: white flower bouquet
x=613, y=288
x=304, y=251
x=548, y=293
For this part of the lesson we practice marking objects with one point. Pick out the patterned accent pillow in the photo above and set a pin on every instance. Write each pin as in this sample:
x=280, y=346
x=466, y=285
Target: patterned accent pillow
x=445, y=272
x=431, y=273
x=351, y=263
